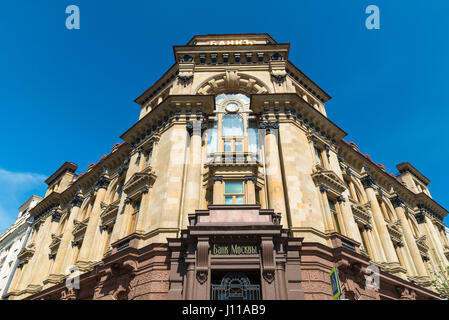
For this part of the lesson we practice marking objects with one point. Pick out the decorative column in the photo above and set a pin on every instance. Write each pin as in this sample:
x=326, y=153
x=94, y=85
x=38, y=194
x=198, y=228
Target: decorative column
x=65, y=247
x=328, y=224
x=219, y=190
x=275, y=186
x=408, y=236
x=250, y=189
x=193, y=182
x=390, y=254
x=43, y=261
x=143, y=220
x=348, y=218
x=377, y=257
x=88, y=245
x=435, y=241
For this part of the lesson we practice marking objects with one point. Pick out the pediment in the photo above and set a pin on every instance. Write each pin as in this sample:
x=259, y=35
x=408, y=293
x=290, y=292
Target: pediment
x=362, y=212
x=329, y=179
x=80, y=228
x=55, y=242
x=109, y=212
x=139, y=181
x=26, y=253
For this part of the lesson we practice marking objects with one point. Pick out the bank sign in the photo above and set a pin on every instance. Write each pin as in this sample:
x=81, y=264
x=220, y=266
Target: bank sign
x=237, y=249
x=335, y=283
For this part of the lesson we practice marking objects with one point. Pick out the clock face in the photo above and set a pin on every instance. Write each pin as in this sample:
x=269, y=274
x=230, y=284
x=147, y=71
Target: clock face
x=232, y=106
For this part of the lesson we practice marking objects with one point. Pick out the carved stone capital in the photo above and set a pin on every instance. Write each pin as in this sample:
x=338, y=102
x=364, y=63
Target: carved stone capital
x=368, y=181
x=268, y=126
x=397, y=201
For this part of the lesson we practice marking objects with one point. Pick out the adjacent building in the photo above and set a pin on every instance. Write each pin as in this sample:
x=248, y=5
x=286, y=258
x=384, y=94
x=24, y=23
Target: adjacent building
x=233, y=184
x=12, y=241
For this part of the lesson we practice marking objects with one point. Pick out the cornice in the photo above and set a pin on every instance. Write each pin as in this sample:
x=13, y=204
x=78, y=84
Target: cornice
x=174, y=107
x=294, y=107
x=384, y=179
x=88, y=179
x=46, y=205
x=167, y=78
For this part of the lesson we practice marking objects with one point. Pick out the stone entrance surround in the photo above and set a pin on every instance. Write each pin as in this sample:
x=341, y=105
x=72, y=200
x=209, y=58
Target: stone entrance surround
x=195, y=254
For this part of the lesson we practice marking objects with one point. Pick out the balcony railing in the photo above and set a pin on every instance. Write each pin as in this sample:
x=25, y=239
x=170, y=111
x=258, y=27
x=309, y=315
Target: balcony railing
x=220, y=158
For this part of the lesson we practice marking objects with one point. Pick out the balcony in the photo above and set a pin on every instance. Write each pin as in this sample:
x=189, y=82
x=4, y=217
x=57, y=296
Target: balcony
x=232, y=158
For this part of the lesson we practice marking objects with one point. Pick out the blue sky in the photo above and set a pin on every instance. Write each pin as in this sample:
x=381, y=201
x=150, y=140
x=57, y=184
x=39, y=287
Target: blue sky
x=67, y=95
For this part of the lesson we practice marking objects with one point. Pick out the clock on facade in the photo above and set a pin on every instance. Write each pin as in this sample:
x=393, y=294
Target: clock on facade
x=232, y=106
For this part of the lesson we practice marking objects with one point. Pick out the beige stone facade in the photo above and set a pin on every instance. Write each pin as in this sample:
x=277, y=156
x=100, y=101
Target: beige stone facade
x=233, y=137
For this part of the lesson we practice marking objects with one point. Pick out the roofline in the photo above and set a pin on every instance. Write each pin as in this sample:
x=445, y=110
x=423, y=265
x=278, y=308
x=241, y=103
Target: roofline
x=327, y=95
x=66, y=165
x=28, y=201
x=154, y=84
x=230, y=34
x=413, y=170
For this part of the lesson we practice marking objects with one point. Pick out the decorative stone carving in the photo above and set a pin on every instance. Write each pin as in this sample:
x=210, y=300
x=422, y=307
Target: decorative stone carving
x=196, y=128
x=55, y=242
x=362, y=212
x=56, y=216
x=268, y=275
x=80, y=229
x=368, y=181
x=279, y=78
x=201, y=276
x=395, y=231
x=329, y=180
x=232, y=80
x=138, y=182
x=269, y=125
x=406, y=293
x=185, y=79
x=422, y=245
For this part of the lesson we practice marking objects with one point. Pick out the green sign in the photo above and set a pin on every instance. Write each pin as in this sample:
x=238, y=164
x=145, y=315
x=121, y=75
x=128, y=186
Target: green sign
x=335, y=283
x=227, y=249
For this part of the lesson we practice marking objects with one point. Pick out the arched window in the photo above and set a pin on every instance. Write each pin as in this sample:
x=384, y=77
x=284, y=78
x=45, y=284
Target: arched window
x=233, y=128
x=232, y=125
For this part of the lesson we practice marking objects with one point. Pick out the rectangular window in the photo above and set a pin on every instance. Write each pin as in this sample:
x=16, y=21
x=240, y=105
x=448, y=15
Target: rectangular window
x=134, y=216
x=253, y=137
x=227, y=146
x=150, y=152
x=334, y=216
x=258, y=196
x=212, y=137
x=238, y=145
x=362, y=236
x=234, y=192
x=347, y=191
x=319, y=157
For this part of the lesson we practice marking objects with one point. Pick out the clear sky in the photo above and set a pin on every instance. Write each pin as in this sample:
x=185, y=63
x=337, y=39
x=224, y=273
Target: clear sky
x=67, y=95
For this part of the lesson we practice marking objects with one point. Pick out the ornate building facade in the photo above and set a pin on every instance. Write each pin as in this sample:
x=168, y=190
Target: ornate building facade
x=233, y=184
x=12, y=241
